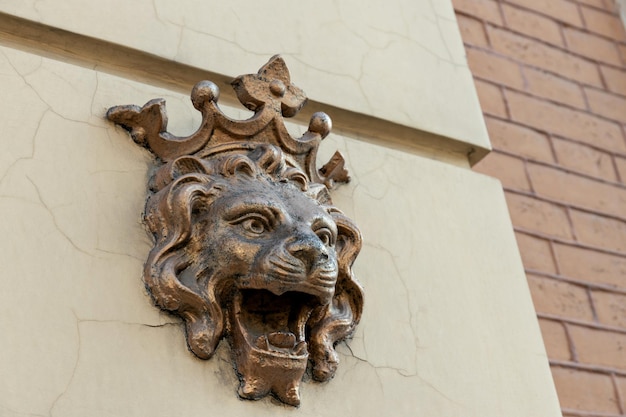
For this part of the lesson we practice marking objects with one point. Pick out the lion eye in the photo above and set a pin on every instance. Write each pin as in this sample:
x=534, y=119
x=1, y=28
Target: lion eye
x=326, y=236
x=253, y=223
x=255, y=226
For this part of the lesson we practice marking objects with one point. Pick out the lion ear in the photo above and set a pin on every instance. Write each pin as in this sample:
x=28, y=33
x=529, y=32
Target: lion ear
x=320, y=193
x=337, y=320
x=349, y=242
x=176, y=169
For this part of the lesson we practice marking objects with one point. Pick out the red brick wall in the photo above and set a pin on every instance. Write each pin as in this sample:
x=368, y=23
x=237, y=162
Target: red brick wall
x=551, y=78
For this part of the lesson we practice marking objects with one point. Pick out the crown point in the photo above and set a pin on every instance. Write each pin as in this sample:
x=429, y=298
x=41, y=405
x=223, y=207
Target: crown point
x=321, y=124
x=204, y=92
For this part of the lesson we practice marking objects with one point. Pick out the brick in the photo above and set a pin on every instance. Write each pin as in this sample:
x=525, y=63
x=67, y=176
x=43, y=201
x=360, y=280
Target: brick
x=607, y=24
x=536, y=215
x=621, y=386
x=562, y=10
x=519, y=140
x=507, y=169
x=590, y=266
x=606, y=104
x=600, y=4
x=622, y=52
x=546, y=85
x=560, y=298
x=472, y=31
x=620, y=163
x=532, y=24
x=536, y=253
x=565, y=122
x=483, y=9
x=491, y=99
x=602, y=232
x=494, y=68
x=592, y=46
x=599, y=347
x=582, y=158
x=615, y=79
x=577, y=191
x=585, y=391
x=535, y=53
x=555, y=340
x=610, y=308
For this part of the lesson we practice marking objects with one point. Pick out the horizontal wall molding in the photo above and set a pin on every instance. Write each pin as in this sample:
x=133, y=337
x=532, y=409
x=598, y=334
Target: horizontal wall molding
x=119, y=60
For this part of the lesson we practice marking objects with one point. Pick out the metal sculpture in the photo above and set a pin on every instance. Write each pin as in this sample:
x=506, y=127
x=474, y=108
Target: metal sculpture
x=248, y=245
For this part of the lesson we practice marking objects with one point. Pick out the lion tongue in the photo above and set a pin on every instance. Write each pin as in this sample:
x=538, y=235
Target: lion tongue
x=280, y=341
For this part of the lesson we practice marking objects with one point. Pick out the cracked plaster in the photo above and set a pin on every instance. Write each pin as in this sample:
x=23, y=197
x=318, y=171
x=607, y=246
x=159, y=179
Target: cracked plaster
x=402, y=61
x=439, y=267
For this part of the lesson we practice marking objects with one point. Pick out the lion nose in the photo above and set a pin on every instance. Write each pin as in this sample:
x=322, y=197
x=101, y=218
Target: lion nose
x=308, y=248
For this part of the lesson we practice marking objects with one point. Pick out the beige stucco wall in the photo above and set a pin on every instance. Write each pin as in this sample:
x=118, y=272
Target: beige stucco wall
x=448, y=328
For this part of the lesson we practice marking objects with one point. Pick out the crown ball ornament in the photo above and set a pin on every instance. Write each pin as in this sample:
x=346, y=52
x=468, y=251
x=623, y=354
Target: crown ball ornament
x=204, y=92
x=248, y=246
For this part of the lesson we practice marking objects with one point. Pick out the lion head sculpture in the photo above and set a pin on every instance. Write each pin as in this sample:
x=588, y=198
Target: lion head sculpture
x=248, y=245
x=247, y=248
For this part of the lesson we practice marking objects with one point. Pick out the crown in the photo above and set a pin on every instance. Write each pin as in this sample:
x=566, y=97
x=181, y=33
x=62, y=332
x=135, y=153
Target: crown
x=269, y=94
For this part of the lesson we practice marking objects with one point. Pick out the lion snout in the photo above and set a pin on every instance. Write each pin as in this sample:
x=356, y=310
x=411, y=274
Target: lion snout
x=308, y=250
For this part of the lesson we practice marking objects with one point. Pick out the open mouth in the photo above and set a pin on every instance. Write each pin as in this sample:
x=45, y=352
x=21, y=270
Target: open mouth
x=268, y=339
x=274, y=323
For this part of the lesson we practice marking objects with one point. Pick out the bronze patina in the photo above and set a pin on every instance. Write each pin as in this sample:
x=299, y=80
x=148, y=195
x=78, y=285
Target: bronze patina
x=248, y=245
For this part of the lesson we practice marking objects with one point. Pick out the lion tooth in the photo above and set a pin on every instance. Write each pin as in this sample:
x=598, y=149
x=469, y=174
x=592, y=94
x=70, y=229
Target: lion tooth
x=262, y=343
x=300, y=348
